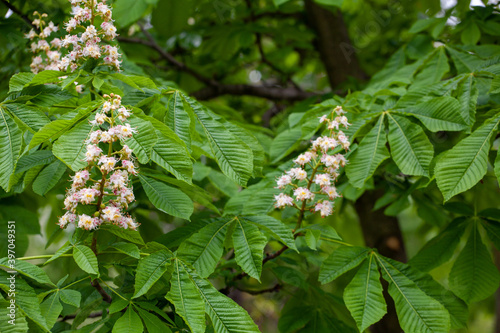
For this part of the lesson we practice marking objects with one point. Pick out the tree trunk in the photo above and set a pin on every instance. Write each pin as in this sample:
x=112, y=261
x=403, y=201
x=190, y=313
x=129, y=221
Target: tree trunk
x=333, y=43
x=383, y=233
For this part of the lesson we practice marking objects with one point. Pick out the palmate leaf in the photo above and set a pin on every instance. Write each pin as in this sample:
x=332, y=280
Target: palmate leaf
x=417, y=312
x=204, y=248
x=440, y=249
x=434, y=68
x=166, y=198
x=27, y=269
x=38, y=157
x=225, y=314
x=11, y=142
x=363, y=295
x=274, y=227
x=461, y=167
x=340, y=261
x=468, y=93
x=249, y=245
x=51, y=308
x=370, y=153
x=185, y=297
x=439, y=114
x=474, y=276
x=234, y=157
x=150, y=269
x=410, y=147
x=152, y=322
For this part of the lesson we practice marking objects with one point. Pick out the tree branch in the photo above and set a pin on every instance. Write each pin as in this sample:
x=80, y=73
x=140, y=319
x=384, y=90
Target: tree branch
x=214, y=88
x=275, y=288
x=18, y=13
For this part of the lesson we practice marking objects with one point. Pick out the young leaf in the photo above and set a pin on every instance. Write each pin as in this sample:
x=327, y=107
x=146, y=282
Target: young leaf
x=128, y=323
x=86, y=259
x=370, y=153
x=149, y=270
x=166, y=198
x=417, y=312
x=51, y=308
x=474, y=276
x=10, y=141
x=312, y=238
x=461, y=167
x=185, y=297
x=204, y=248
x=71, y=297
x=249, y=245
x=49, y=177
x=118, y=304
x=363, y=295
x=410, y=147
x=340, y=261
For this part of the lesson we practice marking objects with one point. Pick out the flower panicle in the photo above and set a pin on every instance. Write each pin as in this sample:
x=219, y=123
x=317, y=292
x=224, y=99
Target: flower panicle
x=311, y=181
x=113, y=193
x=83, y=39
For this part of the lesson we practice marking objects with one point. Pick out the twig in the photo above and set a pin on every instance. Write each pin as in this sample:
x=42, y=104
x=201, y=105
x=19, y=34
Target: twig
x=72, y=316
x=275, y=288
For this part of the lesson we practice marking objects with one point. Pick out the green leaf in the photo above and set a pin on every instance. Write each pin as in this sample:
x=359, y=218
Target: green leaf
x=363, y=295
x=471, y=34
x=204, y=248
x=464, y=61
x=439, y=114
x=38, y=157
x=274, y=227
x=434, y=68
x=171, y=153
x=410, y=147
x=86, y=259
x=30, y=116
x=18, y=81
x=177, y=119
x=340, y=261
x=27, y=269
x=226, y=315
x=65, y=248
x=51, y=308
x=118, y=304
x=312, y=238
x=72, y=145
x=284, y=143
x=474, y=276
x=166, y=198
x=440, y=249
x=127, y=11
x=249, y=245
x=461, y=167
x=233, y=156
x=370, y=153
x=56, y=128
x=130, y=322
x=71, y=297
x=493, y=230
x=185, y=297
x=417, y=312
x=149, y=270
x=27, y=301
x=152, y=322
x=11, y=140
x=48, y=177
x=46, y=76
x=468, y=93
x=127, y=248
x=143, y=141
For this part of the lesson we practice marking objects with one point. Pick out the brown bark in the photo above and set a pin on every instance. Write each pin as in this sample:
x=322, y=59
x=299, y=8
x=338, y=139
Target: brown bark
x=333, y=43
x=497, y=294
x=383, y=233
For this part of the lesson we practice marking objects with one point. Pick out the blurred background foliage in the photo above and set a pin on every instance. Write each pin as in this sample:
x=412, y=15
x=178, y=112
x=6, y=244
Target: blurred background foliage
x=258, y=62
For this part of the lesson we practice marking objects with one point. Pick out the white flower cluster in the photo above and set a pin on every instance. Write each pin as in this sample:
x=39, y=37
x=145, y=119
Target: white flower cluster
x=46, y=55
x=113, y=192
x=316, y=170
x=80, y=45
